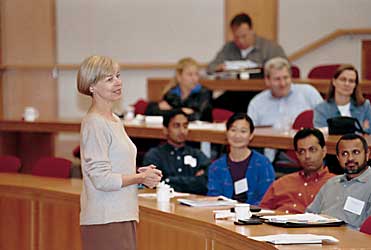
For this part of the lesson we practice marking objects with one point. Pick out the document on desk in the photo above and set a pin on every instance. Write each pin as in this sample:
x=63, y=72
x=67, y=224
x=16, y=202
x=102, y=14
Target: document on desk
x=302, y=220
x=208, y=202
x=285, y=239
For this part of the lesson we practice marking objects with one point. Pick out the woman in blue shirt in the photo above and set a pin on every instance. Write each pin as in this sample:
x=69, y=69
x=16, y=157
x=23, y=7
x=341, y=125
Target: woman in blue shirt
x=242, y=174
x=344, y=98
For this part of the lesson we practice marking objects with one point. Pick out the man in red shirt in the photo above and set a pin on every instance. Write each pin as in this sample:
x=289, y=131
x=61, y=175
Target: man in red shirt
x=292, y=193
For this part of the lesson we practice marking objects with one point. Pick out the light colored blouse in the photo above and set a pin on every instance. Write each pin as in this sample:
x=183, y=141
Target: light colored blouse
x=107, y=153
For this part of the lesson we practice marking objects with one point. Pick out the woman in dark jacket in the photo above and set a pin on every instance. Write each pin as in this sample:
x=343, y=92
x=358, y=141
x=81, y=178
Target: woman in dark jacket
x=185, y=92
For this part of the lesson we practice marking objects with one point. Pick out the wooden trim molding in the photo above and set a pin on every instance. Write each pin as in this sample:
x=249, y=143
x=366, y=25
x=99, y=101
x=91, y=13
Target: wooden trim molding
x=123, y=66
x=326, y=39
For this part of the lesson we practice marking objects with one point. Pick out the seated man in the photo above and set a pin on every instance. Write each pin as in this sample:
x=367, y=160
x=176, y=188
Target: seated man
x=283, y=101
x=246, y=46
x=184, y=168
x=292, y=193
x=348, y=196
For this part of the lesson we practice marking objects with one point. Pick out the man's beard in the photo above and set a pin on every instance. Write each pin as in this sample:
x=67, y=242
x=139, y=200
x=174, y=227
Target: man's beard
x=356, y=170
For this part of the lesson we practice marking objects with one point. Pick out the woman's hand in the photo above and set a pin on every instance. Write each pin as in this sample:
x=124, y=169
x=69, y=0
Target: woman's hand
x=188, y=111
x=164, y=105
x=366, y=124
x=150, y=175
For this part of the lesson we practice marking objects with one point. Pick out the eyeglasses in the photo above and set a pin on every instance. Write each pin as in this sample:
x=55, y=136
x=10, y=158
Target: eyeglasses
x=344, y=80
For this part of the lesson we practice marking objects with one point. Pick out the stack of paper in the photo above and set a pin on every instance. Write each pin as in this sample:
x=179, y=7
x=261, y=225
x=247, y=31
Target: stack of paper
x=208, y=202
x=300, y=218
x=281, y=239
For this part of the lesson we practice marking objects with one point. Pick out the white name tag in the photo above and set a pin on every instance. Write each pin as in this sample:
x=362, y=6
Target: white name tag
x=190, y=160
x=354, y=205
x=241, y=186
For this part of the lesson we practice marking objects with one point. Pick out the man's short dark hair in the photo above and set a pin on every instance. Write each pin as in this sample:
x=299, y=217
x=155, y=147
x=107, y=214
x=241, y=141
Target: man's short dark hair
x=240, y=19
x=352, y=136
x=170, y=115
x=240, y=116
x=305, y=132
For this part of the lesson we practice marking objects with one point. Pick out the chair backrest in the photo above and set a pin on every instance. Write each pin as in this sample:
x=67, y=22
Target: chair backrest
x=76, y=152
x=323, y=71
x=366, y=226
x=140, y=107
x=221, y=115
x=295, y=71
x=9, y=163
x=52, y=167
x=304, y=120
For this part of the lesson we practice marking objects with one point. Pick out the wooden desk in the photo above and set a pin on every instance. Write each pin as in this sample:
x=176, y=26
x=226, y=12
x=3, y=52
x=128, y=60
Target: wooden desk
x=32, y=140
x=155, y=86
x=40, y=213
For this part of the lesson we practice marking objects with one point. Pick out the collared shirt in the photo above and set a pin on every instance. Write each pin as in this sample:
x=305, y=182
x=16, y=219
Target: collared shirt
x=263, y=50
x=292, y=193
x=179, y=166
x=333, y=195
x=265, y=109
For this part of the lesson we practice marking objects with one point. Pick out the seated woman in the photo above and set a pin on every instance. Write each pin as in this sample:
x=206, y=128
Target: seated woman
x=344, y=98
x=185, y=92
x=243, y=174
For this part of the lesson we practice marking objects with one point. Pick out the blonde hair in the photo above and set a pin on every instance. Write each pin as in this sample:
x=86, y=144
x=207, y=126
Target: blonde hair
x=179, y=68
x=277, y=63
x=92, y=70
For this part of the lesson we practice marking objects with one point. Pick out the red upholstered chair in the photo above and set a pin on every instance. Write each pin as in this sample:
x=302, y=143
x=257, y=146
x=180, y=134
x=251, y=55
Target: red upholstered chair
x=9, y=163
x=140, y=106
x=291, y=163
x=221, y=115
x=76, y=152
x=52, y=167
x=304, y=120
x=366, y=226
x=323, y=71
x=295, y=71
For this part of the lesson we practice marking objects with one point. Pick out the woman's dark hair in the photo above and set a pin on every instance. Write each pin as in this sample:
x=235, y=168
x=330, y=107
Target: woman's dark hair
x=240, y=116
x=357, y=95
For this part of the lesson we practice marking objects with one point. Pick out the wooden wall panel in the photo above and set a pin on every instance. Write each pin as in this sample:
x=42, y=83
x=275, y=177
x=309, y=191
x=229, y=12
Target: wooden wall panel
x=28, y=32
x=16, y=214
x=263, y=14
x=27, y=42
x=34, y=88
x=366, y=59
x=59, y=225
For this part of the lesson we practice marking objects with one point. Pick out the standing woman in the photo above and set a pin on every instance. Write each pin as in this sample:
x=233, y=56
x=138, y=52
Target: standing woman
x=109, y=206
x=185, y=92
x=344, y=98
x=243, y=174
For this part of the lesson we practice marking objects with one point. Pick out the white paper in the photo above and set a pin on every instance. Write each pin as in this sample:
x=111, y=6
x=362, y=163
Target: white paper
x=208, y=202
x=240, y=64
x=279, y=239
x=354, y=205
x=300, y=218
x=154, y=195
x=241, y=186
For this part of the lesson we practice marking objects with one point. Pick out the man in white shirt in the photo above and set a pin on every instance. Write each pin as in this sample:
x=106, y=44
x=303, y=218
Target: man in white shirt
x=283, y=101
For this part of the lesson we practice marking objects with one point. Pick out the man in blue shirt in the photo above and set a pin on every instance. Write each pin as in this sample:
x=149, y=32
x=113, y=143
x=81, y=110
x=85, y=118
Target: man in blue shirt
x=183, y=167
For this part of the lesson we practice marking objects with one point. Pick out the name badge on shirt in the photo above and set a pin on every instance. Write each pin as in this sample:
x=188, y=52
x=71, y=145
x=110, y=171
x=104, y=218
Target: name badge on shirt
x=189, y=160
x=354, y=205
x=241, y=186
